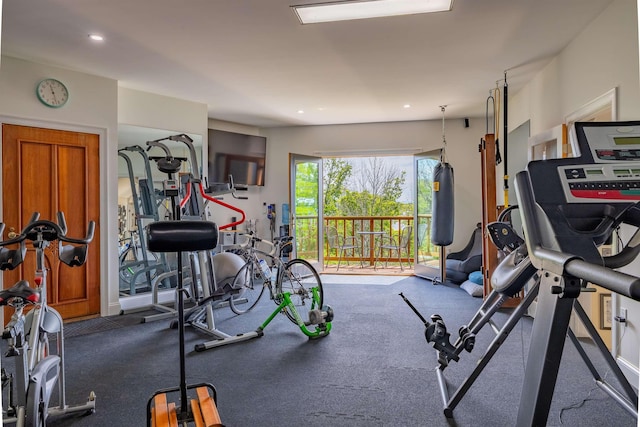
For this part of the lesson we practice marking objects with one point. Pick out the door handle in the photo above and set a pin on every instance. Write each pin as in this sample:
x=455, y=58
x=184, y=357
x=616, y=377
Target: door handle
x=12, y=233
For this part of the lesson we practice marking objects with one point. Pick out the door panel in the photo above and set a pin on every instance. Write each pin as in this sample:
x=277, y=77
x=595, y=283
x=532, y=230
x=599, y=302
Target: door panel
x=305, y=199
x=47, y=171
x=427, y=256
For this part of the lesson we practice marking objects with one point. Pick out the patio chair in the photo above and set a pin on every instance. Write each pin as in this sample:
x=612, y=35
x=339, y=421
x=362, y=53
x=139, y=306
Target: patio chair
x=342, y=244
x=390, y=244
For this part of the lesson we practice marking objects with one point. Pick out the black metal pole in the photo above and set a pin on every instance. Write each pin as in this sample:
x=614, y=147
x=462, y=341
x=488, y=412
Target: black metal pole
x=184, y=402
x=504, y=139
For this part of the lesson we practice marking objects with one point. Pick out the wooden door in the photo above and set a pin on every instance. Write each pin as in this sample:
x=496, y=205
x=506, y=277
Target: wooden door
x=47, y=171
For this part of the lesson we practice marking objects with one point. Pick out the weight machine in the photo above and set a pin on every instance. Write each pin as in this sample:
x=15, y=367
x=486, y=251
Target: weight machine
x=141, y=269
x=192, y=204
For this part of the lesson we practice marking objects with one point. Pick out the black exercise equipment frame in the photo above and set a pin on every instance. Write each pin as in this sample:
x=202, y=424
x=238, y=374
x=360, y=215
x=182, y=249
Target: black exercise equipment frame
x=562, y=240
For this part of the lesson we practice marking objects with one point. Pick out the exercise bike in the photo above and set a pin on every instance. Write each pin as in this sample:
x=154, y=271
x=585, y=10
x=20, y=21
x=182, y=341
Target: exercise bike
x=37, y=367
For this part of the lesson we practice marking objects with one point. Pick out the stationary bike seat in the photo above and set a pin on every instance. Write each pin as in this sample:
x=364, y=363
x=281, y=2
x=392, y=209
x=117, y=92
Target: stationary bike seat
x=20, y=290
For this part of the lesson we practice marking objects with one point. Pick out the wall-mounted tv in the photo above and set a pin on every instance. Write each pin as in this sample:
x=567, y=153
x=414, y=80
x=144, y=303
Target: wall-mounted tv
x=239, y=155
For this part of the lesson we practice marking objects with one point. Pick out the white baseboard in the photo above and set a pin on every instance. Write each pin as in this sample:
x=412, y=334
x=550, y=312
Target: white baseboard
x=113, y=309
x=630, y=371
x=138, y=302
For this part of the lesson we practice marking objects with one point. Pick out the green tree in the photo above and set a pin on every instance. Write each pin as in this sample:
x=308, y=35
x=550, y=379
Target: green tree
x=307, y=189
x=336, y=173
x=306, y=207
x=380, y=184
x=425, y=185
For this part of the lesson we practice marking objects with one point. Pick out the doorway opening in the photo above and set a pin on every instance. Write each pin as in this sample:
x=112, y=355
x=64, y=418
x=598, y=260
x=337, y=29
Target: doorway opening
x=366, y=218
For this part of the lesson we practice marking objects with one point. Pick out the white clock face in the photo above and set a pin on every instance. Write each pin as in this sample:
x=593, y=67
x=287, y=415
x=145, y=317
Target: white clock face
x=52, y=93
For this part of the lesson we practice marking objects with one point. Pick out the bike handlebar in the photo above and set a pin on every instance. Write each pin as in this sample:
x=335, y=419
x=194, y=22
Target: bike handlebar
x=254, y=239
x=49, y=231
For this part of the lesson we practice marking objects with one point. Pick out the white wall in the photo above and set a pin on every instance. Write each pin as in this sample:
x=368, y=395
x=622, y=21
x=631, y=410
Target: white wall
x=161, y=112
x=602, y=57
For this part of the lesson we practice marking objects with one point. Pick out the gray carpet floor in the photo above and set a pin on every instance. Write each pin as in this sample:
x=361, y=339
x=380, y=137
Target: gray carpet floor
x=374, y=369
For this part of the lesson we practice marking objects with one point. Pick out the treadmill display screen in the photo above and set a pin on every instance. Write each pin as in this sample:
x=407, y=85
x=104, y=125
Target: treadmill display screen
x=627, y=140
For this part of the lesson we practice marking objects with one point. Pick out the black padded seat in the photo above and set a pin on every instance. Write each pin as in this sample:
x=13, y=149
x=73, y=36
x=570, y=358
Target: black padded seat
x=182, y=236
x=468, y=260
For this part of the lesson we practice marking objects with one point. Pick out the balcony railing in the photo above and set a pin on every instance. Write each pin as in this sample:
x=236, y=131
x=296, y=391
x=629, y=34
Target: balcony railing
x=390, y=226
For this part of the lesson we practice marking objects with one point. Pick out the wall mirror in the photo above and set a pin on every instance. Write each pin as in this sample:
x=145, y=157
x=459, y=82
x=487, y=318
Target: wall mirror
x=141, y=200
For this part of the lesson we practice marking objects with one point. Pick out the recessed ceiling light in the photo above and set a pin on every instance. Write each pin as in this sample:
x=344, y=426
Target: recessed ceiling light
x=96, y=37
x=406, y=106
x=300, y=111
x=362, y=9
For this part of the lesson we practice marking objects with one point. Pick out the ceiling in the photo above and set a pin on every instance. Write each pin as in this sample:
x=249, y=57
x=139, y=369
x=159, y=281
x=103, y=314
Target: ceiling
x=253, y=63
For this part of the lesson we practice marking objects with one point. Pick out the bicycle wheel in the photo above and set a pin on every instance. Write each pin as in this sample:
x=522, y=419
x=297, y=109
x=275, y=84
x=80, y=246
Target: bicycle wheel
x=299, y=278
x=247, y=288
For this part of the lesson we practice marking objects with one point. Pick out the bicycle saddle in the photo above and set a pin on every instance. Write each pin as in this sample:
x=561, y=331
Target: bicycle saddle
x=20, y=290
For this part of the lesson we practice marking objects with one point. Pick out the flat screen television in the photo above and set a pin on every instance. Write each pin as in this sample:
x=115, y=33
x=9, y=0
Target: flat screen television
x=239, y=155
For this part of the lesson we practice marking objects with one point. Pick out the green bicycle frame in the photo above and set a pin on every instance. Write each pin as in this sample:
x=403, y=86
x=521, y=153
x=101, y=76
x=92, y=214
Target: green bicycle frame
x=320, y=330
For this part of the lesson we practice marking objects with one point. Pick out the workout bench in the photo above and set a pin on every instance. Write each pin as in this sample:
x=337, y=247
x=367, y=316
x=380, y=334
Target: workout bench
x=203, y=409
x=183, y=236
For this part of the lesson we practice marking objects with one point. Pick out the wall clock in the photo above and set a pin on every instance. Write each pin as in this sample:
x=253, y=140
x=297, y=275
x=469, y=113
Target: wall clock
x=52, y=93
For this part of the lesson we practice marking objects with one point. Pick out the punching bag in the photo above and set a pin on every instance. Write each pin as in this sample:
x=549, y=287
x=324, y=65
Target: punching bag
x=442, y=205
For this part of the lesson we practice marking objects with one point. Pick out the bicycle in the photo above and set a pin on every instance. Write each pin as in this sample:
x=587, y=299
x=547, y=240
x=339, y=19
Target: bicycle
x=292, y=285
x=37, y=369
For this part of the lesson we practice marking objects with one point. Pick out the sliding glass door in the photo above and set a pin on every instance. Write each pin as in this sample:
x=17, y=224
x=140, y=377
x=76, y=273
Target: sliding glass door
x=427, y=256
x=305, y=199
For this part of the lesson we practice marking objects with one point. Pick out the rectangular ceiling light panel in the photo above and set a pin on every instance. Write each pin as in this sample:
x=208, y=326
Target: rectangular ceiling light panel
x=362, y=9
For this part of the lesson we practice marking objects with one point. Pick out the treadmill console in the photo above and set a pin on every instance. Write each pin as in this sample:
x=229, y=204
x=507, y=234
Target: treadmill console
x=609, y=167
